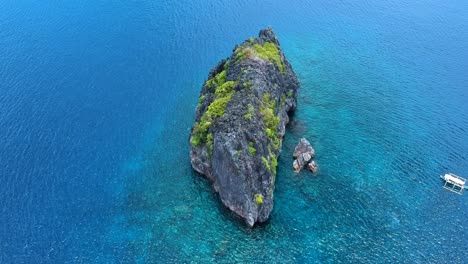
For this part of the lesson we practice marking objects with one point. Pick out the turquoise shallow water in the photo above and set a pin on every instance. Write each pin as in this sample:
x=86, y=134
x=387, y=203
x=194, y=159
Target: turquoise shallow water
x=97, y=100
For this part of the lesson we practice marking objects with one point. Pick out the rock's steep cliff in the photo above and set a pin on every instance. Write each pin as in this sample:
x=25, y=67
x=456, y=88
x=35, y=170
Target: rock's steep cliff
x=240, y=123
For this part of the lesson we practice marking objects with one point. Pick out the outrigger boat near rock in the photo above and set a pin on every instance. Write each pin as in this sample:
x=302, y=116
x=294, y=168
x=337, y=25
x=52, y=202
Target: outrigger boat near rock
x=454, y=183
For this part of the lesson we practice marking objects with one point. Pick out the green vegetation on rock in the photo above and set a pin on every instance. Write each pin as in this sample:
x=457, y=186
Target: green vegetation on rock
x=250, y=111
x=209, y=143
x=218, y=80
x=266, y=163
x=268, y=100
x=258, y=198
x=252, y=149
x=272, y=164
x=200, y=101
x=283, y=100
x=218, y=107
x=200, y=131
x=270, y=120
x=275, y=142
x=244, y=53
x=225, y=89
x=226, y=64
x=270, y=133
x=269, y=51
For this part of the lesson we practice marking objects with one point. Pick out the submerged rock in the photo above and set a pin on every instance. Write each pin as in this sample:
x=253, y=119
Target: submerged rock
x=240, y=123
x=303, y=155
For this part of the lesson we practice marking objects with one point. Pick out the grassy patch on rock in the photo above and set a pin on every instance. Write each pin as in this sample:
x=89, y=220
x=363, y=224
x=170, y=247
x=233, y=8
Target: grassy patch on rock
x=200, y=132
x=224, y=91
x=266, y=163
x=225, y=88
x=258, y=198
x=219, y=79
x=252, y=149
x=244, y=53
x=270, y=120
x=269, y=51
x=250, y=111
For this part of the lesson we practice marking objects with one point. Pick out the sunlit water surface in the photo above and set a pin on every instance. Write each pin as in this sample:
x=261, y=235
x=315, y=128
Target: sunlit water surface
x=97, y=99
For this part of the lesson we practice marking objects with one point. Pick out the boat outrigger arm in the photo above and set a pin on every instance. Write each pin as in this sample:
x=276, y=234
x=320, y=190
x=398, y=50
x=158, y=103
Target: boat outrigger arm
x=454, y=183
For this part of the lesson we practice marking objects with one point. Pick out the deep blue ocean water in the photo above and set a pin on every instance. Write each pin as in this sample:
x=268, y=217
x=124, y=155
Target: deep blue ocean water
x=97, y=99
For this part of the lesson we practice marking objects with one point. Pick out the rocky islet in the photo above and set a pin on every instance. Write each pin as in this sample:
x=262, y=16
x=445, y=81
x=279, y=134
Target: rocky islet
x=303, y=156
x=240, y=123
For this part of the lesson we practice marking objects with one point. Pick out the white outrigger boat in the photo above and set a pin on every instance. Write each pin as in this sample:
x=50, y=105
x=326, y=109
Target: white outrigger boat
x=454, y=183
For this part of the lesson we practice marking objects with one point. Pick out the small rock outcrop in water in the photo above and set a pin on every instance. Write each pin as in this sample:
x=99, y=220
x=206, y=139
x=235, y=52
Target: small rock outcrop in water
x=303, y=156
x=240, y=123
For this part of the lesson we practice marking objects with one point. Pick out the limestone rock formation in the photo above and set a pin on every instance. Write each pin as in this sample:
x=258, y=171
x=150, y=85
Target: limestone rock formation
x=240, y=123
x=303, y=155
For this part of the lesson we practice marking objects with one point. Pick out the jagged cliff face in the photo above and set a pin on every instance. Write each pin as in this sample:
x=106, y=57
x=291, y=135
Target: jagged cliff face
x=240, y=123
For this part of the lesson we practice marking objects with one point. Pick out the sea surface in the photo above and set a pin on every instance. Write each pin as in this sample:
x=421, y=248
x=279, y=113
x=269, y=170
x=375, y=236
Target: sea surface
x=97, y=99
